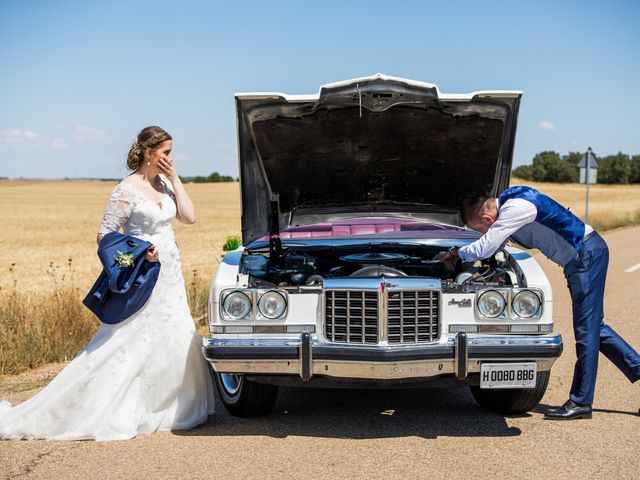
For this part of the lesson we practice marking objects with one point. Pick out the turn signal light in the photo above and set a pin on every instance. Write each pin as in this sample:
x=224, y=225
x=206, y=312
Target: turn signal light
x=546, y=328
x=222, y=329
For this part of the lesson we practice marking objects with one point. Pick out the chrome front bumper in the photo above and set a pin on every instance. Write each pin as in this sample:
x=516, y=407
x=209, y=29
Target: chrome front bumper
x=306, y=357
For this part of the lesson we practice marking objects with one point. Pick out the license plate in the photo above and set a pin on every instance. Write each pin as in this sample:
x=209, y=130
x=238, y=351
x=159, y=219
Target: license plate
x=508, y=375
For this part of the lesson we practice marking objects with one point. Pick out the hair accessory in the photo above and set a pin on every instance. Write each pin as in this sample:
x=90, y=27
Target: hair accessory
x=155, y=139
x=136, y=148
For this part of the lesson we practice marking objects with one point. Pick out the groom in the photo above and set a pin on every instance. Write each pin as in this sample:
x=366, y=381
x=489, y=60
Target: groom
x=536, y=221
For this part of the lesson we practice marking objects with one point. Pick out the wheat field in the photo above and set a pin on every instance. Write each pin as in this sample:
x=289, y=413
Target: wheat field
x=48, y=255
x=610, y=206
x=49, y=224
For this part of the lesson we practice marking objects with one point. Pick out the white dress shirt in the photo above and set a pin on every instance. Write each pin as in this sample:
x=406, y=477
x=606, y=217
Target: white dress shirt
x=515, y=213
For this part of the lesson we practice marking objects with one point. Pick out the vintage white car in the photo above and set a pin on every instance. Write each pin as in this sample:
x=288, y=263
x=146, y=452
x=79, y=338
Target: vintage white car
x=347, y=197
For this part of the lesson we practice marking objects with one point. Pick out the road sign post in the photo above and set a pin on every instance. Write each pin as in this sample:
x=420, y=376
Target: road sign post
x=586, y=207
x=586, y=163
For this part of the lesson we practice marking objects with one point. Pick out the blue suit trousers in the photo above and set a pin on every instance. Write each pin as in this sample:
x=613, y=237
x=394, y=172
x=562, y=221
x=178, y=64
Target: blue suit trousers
x=586, y=276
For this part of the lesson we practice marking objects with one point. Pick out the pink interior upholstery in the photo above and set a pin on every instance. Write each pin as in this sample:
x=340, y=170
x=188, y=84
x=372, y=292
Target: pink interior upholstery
x=361, y=226
x=348, y=230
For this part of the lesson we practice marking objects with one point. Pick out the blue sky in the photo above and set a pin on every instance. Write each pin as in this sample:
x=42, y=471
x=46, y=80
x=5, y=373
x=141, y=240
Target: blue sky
x=80, y=79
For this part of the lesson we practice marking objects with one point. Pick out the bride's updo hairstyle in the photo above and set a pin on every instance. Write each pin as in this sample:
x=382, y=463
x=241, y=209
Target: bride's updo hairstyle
x=149, y=137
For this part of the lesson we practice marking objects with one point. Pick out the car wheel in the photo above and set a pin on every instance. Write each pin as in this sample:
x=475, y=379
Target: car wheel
x=512, y=401
x=244, y=398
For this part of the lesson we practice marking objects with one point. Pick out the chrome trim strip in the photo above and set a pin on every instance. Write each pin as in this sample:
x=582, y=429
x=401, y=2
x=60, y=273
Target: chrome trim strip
x=391, y=283
x=333, y=321
x=519, y=340
x=363, y=306
x=416, y=323
x=402, y=314
x=348, y=316
x=363, y=370
x=472, y=340
x=461, y=358
x=361, y=367
x=371, y=284
x=306, y=357
x=383, y=316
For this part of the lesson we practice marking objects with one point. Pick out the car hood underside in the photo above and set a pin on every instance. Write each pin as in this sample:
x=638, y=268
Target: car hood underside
x=377, y=145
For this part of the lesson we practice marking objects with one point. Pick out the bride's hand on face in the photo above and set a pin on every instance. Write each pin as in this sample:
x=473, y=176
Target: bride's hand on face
x=166, y=166
x=152, y=254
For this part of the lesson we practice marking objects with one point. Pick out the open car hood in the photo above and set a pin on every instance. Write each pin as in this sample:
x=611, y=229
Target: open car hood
x=370, y=146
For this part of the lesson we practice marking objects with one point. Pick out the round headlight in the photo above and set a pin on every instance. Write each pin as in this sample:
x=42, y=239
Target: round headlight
x=272, y=304
x=526, y=304
x=237, y=305
x=491, y=304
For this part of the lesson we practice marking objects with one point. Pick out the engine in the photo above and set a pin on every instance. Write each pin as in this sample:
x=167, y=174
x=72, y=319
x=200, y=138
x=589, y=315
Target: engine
x=310, y=266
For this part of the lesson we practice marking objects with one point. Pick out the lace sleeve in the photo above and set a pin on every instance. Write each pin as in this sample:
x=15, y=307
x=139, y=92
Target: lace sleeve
x=118, y=210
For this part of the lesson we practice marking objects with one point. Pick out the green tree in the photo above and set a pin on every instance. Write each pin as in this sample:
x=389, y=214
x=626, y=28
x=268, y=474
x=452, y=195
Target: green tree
x=615, y=169
x=573, y=158
x=216, y=177
x=549, y=167
x=523, y=171
x=635, y=169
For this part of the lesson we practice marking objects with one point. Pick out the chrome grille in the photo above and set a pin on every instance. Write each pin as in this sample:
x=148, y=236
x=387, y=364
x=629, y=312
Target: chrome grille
x=355, y=316
x=351, y=316
x=412, y=316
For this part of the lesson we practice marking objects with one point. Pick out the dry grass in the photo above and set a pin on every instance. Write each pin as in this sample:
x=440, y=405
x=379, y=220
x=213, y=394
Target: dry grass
x=38, y=327
x=610, y=206
x=48, y=255
x=51, y=325
x=48, y=262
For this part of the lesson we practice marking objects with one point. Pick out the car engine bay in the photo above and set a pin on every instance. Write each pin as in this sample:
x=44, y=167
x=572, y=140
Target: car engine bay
x=310, y=265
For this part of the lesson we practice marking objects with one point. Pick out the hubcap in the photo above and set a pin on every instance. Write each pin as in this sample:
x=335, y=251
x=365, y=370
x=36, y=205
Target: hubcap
x=231, y=382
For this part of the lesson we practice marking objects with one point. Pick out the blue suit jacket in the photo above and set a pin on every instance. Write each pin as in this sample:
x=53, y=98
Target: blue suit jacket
x=119, y=292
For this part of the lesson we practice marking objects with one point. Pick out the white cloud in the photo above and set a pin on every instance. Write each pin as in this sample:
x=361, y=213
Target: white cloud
x=546, y=125
x=88, y=134
x=25, y=140
x=20, y=139
x=59, y=144
x=30, y=135
x=10, y=137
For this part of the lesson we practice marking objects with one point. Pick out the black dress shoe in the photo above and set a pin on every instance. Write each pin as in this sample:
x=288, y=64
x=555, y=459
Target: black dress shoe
x=569, y=411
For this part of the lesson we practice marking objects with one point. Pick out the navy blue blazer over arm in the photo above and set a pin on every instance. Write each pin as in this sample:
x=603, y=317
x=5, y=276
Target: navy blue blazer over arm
x=119, y=291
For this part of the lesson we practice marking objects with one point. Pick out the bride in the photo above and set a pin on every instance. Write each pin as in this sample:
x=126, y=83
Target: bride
x=146, y=373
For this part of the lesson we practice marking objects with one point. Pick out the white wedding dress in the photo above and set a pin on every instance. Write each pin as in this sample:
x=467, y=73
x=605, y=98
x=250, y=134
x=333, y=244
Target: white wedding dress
x=142, y=375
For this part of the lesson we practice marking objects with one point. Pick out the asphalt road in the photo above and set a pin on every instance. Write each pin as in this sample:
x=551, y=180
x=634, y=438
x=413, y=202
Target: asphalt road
x=398, y=434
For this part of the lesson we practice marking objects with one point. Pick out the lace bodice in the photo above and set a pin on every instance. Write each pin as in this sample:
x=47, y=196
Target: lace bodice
x=138, y=215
